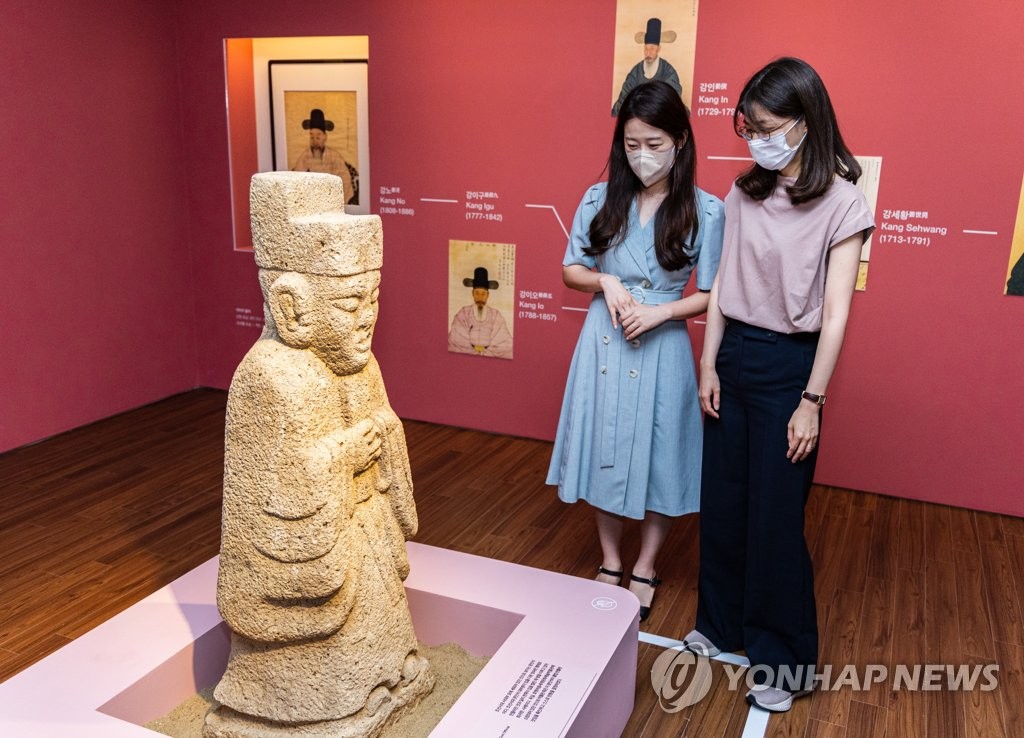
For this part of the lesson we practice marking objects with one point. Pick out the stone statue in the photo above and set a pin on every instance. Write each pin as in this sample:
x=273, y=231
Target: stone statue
x=317, y=491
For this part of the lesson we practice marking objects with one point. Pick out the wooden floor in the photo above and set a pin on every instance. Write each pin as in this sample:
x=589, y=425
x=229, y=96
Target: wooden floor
x=99, y=517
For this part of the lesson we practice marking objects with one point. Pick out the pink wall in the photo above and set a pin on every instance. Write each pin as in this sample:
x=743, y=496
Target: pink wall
x=97, y=303
x=927, y=400
x=514, y=98
x=511, y=98
x=437, y=128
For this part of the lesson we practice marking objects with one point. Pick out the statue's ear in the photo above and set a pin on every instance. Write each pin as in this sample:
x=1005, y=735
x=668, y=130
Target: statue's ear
x=290, y=303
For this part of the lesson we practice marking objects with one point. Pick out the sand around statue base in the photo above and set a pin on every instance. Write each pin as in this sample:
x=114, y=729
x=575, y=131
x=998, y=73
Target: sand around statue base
x=453, y=667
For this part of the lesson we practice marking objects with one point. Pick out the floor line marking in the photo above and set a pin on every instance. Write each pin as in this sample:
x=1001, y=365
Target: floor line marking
x=725, y=657
x=757, y=723
x=757, y=720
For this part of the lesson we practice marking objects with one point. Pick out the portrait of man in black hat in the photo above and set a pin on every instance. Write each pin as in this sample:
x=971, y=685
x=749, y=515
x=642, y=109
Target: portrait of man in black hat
x=652, y=66
x=479, y=329
x=319, y=157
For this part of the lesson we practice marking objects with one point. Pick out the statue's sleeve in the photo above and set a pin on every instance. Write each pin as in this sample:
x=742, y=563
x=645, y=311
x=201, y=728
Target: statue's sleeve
x=287, y=487
x=395, y=472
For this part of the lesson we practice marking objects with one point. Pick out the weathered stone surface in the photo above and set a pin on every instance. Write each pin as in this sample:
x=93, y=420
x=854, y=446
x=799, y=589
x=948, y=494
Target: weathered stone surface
x=317, y=491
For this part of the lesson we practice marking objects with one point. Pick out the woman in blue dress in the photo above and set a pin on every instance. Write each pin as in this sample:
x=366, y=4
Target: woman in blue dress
x=629, y=435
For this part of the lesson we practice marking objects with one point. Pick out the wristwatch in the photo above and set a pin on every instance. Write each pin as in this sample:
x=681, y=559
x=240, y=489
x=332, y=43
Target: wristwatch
x=818, y=400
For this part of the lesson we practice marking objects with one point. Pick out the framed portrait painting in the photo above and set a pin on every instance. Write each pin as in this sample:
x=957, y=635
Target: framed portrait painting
x=481, y=298
x=319, y=122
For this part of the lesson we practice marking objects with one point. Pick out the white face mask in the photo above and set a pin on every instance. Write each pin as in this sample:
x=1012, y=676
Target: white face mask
x=775, y=152
x=651, y=166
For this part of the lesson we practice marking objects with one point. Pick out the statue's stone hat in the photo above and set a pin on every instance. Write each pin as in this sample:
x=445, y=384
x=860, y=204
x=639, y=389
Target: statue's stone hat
x=299, y=224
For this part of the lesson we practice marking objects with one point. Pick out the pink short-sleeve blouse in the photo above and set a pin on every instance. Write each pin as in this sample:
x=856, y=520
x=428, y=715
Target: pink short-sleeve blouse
x=775, y=254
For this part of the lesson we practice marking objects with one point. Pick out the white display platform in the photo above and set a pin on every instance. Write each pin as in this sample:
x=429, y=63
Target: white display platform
x=563, y=654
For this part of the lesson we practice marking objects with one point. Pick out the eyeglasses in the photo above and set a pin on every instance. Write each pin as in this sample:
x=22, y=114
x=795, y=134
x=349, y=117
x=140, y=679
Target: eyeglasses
x=751, y=134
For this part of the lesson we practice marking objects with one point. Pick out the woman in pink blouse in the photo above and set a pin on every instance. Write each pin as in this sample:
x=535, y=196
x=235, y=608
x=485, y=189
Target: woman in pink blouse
x=794, y=226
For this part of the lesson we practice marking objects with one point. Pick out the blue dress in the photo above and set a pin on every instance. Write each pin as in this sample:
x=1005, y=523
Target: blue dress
x=629, y=436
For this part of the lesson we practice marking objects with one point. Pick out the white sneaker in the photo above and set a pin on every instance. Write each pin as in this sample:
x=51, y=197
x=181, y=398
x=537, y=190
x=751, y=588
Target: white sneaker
x=699, y=644
x=773, y=699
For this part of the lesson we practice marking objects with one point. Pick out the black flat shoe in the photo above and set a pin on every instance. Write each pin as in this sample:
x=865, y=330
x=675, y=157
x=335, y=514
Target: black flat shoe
x=609, y=573
x=653, y=583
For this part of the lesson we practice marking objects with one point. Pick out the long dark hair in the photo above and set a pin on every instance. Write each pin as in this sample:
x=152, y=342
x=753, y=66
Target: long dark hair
x=657, y=104
x=790, y=88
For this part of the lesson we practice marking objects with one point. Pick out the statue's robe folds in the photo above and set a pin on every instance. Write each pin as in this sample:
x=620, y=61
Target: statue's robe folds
x=313, y=548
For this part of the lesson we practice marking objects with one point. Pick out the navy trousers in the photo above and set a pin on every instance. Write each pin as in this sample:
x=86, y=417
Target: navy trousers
x=756, y=587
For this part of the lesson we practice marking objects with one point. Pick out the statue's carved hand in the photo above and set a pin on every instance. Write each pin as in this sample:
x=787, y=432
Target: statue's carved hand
x=364, y=442
x=384, y=418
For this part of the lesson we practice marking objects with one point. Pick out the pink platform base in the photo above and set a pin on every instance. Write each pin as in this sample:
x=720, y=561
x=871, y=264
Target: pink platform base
x=563, y=655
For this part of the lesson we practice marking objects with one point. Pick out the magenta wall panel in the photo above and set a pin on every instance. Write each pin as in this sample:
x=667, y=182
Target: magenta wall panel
x=511, y=99
x=97, y=308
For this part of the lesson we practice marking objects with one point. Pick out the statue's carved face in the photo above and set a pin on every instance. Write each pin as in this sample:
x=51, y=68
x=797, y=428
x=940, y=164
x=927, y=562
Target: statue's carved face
x=343, y=311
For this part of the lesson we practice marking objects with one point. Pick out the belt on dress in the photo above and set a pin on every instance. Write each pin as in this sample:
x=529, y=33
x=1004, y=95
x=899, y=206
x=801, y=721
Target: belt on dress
x=648, y=296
